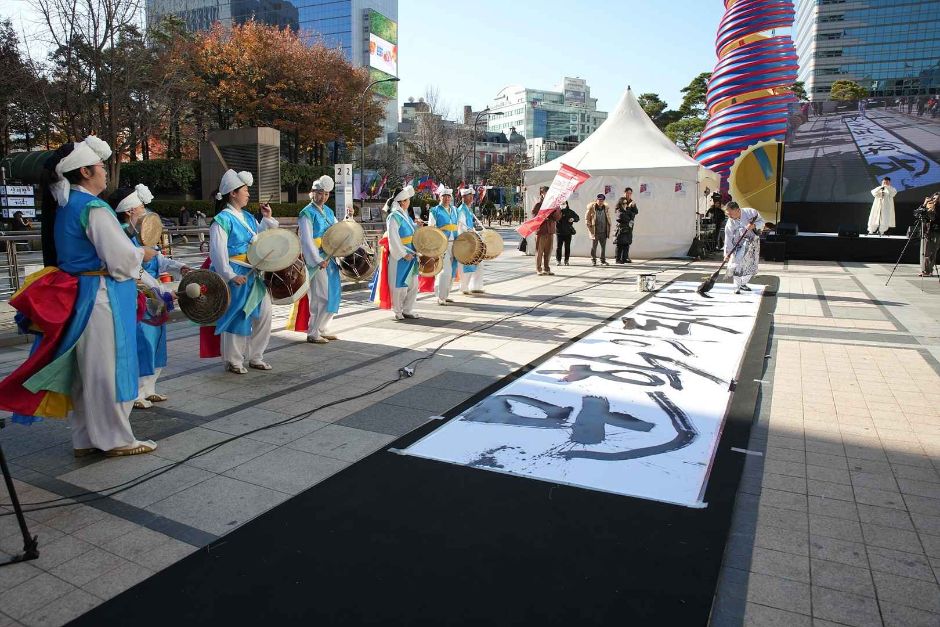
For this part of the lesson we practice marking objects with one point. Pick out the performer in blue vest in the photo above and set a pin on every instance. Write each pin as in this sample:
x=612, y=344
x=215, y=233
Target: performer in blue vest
x=325, y=285
x=82, y=307
x=246, y=325
x=399, y=272
x=471, y=277
x=444, y=216
x=130, y=206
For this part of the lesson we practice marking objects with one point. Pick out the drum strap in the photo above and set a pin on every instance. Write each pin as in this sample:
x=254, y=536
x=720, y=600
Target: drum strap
x=407, y=240
x=448, y=227
x=241, y=260
x=101, y=272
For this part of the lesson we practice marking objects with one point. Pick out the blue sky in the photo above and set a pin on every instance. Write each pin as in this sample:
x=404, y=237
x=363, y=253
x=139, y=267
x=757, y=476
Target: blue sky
x=652, y=45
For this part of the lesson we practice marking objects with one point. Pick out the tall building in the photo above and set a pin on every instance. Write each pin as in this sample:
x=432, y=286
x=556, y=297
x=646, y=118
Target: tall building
x=567, y=114
x=366, y=30
x=890, y=47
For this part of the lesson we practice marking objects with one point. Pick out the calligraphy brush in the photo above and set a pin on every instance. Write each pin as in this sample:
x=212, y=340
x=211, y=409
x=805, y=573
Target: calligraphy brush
x=709, y=282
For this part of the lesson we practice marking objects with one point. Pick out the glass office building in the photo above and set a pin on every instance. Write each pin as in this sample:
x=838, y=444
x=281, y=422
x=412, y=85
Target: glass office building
x=890, y=47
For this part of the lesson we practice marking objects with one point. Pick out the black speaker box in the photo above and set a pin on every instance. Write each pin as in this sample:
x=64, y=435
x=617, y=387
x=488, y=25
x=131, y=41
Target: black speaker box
x=848, y=230
x=773, y=251
x=788, y=228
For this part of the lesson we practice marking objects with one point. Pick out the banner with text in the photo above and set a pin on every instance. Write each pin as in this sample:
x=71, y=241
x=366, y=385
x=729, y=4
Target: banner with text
x=566, y=181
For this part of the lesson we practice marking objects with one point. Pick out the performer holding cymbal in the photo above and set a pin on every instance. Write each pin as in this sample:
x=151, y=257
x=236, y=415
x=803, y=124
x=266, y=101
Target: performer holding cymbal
x=130, y=206
x=246, y=326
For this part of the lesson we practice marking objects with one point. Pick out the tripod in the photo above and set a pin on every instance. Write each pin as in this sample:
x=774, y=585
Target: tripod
x=919, y=228
x=30, y=543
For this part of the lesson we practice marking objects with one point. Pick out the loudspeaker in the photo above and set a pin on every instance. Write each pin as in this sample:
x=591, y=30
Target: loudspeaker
x=848, y=230
x=788, y=228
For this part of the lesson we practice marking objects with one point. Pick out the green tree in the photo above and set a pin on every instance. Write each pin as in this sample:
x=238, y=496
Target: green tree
x=652, y=104
x=693, y=99
x=686, y=132
x=847, y=91
x=799, y=90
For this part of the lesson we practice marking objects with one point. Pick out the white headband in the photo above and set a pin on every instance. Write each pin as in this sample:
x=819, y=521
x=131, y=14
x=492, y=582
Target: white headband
x=232, y=180
x=140, y=196
x=84, y=154
x=407, y=192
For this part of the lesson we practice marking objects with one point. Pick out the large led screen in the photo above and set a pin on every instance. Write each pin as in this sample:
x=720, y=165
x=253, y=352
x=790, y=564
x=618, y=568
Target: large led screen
x=839, y=154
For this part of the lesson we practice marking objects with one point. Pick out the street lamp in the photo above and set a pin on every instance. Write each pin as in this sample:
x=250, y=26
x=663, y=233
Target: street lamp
x=486, y=111
x=362, y=128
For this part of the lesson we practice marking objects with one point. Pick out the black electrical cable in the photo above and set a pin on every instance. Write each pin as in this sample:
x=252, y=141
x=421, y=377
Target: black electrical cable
x=77, y=499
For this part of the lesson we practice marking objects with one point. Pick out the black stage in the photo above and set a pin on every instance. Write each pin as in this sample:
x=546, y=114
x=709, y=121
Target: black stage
x=831, y=247
x=399, y=540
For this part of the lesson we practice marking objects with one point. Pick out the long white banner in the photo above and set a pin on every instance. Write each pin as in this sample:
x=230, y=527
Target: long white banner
x=888, y=155
x=635, y=408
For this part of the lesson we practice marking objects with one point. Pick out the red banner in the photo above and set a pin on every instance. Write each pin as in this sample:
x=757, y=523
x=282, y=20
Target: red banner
x=566, y=181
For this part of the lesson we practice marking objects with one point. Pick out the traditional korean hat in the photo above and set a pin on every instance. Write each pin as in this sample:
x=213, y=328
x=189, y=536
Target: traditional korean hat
x=443, y=190
x=324, y=183
x=232, y=180
x=466, y=191
x=84, y=154
x=140, y=195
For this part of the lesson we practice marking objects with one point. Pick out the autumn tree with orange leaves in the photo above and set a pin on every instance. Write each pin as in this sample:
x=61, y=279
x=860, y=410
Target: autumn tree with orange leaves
x=259, y=75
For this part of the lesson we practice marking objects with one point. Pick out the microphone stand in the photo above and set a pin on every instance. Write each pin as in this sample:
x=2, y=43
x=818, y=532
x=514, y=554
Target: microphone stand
x=30, y=542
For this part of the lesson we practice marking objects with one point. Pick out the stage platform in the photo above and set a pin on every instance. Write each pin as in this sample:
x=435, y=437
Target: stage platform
x=831, y=247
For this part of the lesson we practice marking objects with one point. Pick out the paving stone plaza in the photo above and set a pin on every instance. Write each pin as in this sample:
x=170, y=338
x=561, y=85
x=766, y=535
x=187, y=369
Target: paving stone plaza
x=837, y=519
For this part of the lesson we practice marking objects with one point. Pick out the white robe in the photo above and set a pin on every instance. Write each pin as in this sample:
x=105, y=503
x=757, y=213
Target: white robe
x=742, y=265
x=235, y=348
x=147, y=384
x=98, y=420
x=881, y=217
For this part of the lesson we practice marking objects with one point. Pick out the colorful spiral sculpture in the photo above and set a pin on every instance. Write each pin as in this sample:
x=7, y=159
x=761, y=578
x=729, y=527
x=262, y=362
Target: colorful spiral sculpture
x=749, y=91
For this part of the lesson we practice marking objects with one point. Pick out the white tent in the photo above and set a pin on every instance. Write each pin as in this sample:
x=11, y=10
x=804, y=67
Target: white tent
x=627, y=150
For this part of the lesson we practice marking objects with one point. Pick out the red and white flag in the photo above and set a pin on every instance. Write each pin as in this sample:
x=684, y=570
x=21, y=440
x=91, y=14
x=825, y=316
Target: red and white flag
x=566, y=181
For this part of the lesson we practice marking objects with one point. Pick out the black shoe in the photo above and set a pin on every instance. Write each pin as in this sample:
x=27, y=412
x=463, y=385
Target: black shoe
x=745, y=288
x=628, y=261
x=605, y=263
x=594, y=261
x=566, y=263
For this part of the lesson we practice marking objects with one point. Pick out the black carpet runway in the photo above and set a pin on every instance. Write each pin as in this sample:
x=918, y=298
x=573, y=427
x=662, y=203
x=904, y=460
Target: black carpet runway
x=398, y=540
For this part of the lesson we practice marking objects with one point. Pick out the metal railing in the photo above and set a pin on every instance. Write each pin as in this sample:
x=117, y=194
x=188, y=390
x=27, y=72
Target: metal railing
x=187, y=244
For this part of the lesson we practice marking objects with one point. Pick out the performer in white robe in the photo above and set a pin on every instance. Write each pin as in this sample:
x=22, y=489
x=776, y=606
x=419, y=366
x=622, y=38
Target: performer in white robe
x=471, y=277
x=444, y=216
x=743, y=260
x=881, y=217
x=232, y=231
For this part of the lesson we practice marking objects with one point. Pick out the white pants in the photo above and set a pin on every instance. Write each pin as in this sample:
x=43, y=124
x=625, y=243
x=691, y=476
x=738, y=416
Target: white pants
x=403, y=298
x=446, y=277
x=147, y=385
x=98, y=420
x=234, y=346
x=318, y=296
x=472, y=281
x=742, y=280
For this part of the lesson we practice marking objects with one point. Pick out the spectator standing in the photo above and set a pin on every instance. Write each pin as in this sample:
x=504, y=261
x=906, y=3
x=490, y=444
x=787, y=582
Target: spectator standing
x=565, y=231
x=626, y=214
x=598, y=225
x=545, y=236
x=184, y=216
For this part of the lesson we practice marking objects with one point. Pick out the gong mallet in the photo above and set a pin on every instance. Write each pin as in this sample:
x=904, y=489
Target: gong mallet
x=709, y=283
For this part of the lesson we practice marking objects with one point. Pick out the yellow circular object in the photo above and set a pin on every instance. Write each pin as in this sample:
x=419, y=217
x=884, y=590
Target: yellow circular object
x=430, y=241
x=469, y=248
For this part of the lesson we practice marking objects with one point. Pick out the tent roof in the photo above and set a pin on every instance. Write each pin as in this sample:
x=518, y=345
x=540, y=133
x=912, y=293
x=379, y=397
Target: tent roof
x=627, y=140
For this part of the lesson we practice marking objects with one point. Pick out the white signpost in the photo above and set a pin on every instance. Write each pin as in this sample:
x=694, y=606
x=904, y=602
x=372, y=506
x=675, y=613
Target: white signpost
x=15, y=198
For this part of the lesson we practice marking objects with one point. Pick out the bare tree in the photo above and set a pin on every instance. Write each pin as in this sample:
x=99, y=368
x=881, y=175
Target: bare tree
x=90, y=41
x=439, y=146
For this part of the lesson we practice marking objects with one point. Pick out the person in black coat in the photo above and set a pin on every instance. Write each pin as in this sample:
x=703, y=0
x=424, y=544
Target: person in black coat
x=626, y=214
x=565, y=231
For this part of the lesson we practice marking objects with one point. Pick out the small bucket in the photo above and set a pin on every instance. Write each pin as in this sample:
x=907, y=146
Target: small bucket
x=646, y=283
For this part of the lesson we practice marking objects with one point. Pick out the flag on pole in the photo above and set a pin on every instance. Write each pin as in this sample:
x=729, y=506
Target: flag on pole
x=566, y=181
